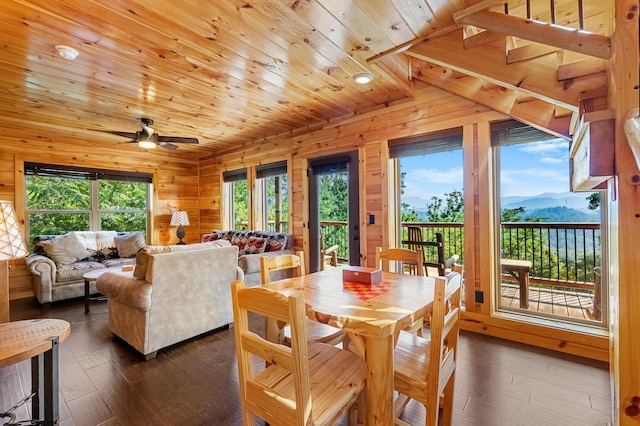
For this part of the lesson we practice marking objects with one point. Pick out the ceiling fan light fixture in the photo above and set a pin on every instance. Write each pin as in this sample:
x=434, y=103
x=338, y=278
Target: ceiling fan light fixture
x=147, y=144
x=67, y=52
x=363, y=78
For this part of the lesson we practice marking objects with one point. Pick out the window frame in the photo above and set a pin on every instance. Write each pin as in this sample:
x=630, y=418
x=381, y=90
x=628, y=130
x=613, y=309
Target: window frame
x=95, y=176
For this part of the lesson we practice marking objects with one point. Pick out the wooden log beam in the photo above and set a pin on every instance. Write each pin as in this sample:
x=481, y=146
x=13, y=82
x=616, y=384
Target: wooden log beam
x=478, y=7
x=576, y=41
x=480, y=39
x=531, y=51
x=537, y=113
x=405, y=46
x=536, y=78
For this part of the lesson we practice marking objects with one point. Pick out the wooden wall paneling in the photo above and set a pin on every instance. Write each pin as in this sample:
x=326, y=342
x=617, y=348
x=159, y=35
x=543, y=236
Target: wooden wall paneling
x=370, y=133
x=367, y=170
x=174, y=174
x=568, y=341
x=624, y=259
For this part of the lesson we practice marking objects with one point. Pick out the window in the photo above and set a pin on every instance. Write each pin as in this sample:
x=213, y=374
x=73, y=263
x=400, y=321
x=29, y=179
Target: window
x=429, y=190
x=555, y=232
x=61, y=199
x=272, y=187
x=237, y=196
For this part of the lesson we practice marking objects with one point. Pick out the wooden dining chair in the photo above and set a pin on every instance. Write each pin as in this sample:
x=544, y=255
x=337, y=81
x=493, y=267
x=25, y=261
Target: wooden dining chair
x=409, y=259
x=424, y=368
x=316, y=331
x=304, y=384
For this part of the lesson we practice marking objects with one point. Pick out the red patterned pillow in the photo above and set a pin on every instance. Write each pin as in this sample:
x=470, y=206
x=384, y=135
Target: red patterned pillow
x=255, y=245
x=276, y=242
x=240, y=239
x=205, y=238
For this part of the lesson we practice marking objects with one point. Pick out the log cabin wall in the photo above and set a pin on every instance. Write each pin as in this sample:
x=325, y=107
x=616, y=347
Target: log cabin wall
x=175, y=182
x=369, y=133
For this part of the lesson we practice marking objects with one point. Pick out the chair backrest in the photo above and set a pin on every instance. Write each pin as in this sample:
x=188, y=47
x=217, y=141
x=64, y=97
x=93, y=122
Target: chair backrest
x=279, y=263
x=439, y=258
x=256, y=397
x=444, y=329
x=409, y=258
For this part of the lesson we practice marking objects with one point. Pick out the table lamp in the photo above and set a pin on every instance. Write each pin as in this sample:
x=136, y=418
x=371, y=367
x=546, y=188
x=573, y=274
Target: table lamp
x=11, y=247
x=180, y=219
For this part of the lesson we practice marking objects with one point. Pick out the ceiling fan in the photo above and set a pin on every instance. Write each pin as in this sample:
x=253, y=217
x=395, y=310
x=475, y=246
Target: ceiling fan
x=148, y=138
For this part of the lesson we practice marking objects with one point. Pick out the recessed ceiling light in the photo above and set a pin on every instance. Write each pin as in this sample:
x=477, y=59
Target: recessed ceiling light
x=363, y=78
x=67, y=52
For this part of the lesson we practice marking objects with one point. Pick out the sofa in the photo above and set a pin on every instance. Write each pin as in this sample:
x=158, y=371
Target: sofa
x=58, y=262
x=173, y=294
x=251, y=246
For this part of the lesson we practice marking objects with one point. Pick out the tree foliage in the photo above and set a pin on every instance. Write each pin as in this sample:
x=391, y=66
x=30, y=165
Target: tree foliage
x=60, y=205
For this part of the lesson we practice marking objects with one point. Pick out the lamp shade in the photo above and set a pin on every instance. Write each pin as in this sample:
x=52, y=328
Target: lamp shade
x=179, y=218
x=11, y=243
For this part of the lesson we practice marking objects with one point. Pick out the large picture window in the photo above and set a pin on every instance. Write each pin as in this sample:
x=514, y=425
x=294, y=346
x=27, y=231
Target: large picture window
x=237, y=193
x=272, y=185
x=61, y=199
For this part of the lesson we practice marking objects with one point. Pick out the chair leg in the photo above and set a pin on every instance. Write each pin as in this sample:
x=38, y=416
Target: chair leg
x=432, y=407
x=447, y=406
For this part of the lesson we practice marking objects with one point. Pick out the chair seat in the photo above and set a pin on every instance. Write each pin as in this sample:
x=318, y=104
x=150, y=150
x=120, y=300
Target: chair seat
x=336, y=376
x=411, y=355
x=319, y=333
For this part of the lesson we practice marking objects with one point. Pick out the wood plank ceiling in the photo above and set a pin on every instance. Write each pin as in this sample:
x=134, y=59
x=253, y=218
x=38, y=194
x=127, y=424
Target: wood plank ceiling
x=231, y=72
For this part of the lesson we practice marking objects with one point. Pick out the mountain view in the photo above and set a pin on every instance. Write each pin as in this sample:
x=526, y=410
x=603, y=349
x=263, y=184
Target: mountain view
x=551, y=207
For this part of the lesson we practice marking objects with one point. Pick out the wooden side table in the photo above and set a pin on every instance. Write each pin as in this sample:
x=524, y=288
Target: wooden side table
x=37, y=339
x=519, y=269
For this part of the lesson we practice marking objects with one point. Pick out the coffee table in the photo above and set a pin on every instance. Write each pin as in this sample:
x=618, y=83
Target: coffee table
x=90, y=277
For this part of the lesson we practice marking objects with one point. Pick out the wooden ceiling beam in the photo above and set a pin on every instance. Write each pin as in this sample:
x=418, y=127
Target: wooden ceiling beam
x=537, y=77
x=536, y=113
x=596, y=45
x=409, y=44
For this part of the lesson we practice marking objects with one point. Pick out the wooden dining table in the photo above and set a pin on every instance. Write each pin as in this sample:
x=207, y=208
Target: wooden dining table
x=372, y=315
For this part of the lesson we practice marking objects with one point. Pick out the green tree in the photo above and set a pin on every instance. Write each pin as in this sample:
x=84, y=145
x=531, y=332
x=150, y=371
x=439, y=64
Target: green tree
x=240, y=204
x=333, y=204
x=407, y=213
x=594, y=201
x=451, y=209
x=277, y=190
x=526, y=244
x=60, y=205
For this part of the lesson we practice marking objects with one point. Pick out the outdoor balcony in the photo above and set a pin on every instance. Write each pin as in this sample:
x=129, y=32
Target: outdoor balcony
x=564, y=259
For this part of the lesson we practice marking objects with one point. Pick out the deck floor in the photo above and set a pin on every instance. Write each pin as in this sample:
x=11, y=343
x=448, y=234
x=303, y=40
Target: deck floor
x=569, y=303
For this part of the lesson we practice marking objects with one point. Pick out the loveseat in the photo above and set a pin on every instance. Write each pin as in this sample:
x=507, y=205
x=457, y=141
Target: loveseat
x=173, y=294
x=251, y=246
x=59, y=261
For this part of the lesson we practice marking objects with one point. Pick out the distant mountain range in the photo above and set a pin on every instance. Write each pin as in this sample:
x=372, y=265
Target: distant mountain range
x=553, y=207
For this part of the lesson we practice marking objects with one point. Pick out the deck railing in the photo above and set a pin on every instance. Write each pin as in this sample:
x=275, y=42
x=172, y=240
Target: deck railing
x=561, y=254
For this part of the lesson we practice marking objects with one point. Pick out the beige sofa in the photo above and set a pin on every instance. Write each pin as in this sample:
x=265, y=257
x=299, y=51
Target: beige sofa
x=174, y=293
x=58, y=262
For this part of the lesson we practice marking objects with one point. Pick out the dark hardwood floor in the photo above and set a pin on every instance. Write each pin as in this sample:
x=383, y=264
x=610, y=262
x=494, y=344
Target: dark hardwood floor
x=104, y=382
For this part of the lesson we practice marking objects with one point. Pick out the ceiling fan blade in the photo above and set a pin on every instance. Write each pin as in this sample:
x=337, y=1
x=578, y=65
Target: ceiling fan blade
x=167, y=145
x=123, y=134
x=177, y=139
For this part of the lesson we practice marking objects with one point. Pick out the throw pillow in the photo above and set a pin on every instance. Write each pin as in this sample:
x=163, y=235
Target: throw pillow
x=142, y=259
x=276, y=242
x=88, y=239
x=64, y=249
x=106, y=244
x=255, y=245
x=204, y=238
x=129, y=244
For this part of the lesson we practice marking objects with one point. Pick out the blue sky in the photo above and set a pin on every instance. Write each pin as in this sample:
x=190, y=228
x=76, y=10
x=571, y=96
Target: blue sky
x=526, y=170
